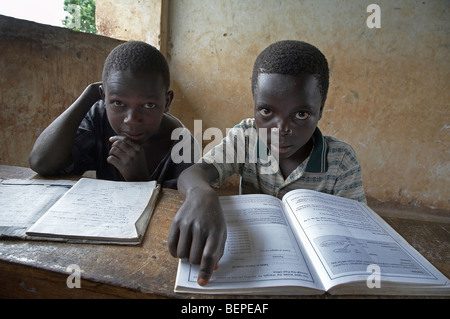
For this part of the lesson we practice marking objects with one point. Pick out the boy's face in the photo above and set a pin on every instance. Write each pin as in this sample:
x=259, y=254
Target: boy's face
x=135, y=104
x=292, y=104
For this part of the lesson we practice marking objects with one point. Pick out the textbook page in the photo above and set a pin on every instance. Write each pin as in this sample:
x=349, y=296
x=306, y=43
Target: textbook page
x=23, y=202
x=346, y=237
x=261, y=253
x=97, y=209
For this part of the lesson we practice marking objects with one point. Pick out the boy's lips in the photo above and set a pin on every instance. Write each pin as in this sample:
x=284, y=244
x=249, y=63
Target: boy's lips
x=281, y=148
x=134, y=136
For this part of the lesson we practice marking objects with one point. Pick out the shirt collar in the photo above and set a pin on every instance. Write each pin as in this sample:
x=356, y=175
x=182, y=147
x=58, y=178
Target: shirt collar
x=318, y=160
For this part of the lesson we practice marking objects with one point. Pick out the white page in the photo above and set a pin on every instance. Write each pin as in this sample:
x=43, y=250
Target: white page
x=97, y=208
x=260, y=250
x=347, y=238
x=22, y=203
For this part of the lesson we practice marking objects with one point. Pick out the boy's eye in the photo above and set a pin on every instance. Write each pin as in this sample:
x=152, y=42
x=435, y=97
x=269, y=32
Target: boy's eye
x=150, y=105
x=301, y=115
x=117, y=104
x=265, y=112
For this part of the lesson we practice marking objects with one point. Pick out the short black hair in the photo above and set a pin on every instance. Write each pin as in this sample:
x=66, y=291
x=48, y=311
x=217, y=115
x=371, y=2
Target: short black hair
x=292, y=57
x=137, y=57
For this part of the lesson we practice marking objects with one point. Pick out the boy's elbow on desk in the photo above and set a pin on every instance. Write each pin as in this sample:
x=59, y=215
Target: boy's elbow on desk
x=37, y=166
x=41, y=165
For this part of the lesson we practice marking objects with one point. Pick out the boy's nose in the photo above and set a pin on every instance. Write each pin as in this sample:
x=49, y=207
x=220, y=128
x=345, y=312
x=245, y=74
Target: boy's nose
x=133, y=116
x=284, y=129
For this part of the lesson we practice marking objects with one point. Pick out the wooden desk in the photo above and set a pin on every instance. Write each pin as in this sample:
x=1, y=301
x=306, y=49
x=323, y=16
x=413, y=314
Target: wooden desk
x=31, y=269
x=34, y=269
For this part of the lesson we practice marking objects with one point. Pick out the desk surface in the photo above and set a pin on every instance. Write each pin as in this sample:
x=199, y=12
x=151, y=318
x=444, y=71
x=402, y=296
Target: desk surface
x=33, y=269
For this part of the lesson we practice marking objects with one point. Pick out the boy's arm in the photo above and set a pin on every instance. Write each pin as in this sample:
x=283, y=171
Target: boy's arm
x=198, y=231
x=349, y=181
x=52, y=150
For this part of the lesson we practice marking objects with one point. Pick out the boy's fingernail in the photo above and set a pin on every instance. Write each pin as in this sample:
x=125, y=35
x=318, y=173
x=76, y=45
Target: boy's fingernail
x=202, y=281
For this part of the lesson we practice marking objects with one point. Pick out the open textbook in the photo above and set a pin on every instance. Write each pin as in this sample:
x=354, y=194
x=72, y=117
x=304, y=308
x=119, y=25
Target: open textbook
x=90, y=210
x=311, y=243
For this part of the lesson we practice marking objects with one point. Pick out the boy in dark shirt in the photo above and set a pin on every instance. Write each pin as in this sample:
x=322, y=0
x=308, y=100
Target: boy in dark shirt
x=121, y=127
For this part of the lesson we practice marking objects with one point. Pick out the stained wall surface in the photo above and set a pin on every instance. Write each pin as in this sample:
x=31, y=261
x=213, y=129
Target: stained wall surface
x=389, y=88
x=130, y=20
x=43, y=70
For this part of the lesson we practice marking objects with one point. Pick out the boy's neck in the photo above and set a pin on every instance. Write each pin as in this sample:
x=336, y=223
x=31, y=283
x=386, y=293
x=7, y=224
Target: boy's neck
x=288, y=165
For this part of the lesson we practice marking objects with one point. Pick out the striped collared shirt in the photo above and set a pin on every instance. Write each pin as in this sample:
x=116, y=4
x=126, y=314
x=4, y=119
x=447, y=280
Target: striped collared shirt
x=332, y=166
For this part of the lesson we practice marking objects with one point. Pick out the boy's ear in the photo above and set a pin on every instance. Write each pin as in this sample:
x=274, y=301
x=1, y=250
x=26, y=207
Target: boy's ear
x=102, y=91
x=321, y=111
x=169, y=98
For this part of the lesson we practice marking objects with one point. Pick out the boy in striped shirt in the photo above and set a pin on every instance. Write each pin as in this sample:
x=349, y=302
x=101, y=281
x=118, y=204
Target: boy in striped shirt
x=289, y=84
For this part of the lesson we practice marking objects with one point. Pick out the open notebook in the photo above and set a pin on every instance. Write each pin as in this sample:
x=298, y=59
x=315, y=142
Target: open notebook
x=90, y=210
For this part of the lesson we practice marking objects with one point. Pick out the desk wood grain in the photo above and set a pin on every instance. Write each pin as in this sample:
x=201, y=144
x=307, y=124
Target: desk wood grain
x=127, y=271
x=36, y=269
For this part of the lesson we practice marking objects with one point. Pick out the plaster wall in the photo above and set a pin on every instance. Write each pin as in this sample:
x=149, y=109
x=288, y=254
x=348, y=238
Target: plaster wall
x=130, y=20
x=43, y=70
x=388, y=94
x=389, y=87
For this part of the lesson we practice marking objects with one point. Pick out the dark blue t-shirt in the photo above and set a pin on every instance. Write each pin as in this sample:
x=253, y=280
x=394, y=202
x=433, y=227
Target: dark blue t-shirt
x=92, y=145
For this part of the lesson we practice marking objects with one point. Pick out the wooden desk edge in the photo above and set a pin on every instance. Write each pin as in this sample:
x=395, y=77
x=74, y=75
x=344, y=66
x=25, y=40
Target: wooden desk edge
x=40, y=276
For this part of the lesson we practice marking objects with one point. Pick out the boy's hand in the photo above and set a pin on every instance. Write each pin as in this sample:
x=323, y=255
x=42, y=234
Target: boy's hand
x=198, y=232
x=95, y=88
x=129, y=158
